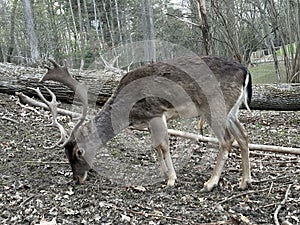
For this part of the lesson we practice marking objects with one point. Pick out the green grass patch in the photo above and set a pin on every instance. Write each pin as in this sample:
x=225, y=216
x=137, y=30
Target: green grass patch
x=264, y=73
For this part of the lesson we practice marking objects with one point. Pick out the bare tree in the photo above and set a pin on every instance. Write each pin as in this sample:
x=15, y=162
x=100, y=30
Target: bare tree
x=148, y=31
x=118, y=22
x=12, y=31
x=267, y=33
x=33, y=40
x=207, y=43
x=109, y=24
x=82, y=35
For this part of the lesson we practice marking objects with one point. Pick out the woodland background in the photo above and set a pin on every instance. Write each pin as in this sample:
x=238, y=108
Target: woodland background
x=262, y=34
x=249, y=31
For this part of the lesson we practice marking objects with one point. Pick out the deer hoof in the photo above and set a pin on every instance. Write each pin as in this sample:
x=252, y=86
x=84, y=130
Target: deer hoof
x=245, y=184
x=171, y=181
x=209, y=185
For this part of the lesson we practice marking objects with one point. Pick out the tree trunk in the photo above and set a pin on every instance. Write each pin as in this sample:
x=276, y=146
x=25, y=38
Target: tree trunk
x=148, y=31
x=118, y=23
x=149, y=6
x=109, y=25
x=82, y=36
x=145, y=31
x=35, y=55
x=265, y=96
x=12, y=31
x=204, y=27
x=1, y=53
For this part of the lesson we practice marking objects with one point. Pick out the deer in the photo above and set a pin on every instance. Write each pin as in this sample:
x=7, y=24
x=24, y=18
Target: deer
x=208, y=86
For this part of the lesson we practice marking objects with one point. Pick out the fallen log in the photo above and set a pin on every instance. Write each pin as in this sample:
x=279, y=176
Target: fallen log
x=101, y=85
x=276, y=97
x=18, y=79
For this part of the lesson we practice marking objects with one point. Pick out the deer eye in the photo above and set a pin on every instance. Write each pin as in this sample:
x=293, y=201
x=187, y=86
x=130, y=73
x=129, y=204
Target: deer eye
x=80, y=152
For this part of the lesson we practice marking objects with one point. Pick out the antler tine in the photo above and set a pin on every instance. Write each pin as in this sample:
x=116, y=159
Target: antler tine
x=55, y=64
x=82, y=92
x=53, y=109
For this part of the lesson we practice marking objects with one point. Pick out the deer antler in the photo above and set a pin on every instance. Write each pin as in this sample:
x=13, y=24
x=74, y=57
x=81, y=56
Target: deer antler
x=53, y=109
x=62, y=75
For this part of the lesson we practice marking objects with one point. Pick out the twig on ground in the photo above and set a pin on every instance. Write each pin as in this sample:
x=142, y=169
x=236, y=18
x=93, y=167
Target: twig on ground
x=281, y=204
x=268, y=205
x=41, y=162
x=218, y=223
x=142, y=213
x=273, y=179
x=280, y=162
x=269, y=148
x=270, y=190
x=246, y=193
x=158, y=215
x=26, y=200
x=243, y=193
x=274, y=155
x=9, y=119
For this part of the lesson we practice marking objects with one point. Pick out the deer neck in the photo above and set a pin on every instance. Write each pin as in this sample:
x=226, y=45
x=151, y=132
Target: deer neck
x=106, y=124
x=103, y=124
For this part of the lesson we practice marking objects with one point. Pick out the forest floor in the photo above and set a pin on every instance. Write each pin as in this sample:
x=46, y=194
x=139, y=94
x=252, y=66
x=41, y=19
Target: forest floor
x=35, y=182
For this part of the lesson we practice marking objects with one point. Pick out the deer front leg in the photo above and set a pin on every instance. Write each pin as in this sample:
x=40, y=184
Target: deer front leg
x=160, y=141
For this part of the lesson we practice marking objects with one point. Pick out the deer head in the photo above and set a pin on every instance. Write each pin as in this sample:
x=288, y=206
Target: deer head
x=74, y=154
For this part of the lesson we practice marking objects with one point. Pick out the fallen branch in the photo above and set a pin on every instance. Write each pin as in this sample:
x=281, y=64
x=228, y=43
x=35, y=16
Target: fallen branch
x=268, y=148
x=281, y=204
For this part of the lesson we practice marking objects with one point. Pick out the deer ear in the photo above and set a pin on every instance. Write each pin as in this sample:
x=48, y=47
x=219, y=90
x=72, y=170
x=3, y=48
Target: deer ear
x=85, y=131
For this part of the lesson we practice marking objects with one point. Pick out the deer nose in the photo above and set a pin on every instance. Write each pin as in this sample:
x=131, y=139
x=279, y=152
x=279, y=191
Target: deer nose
x=79, y=179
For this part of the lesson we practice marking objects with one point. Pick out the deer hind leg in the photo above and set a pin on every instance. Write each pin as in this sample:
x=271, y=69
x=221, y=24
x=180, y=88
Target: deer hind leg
x=200, y=125
x=163, y=167
x=224, y=148
x=240, y=134
x=160, y=141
